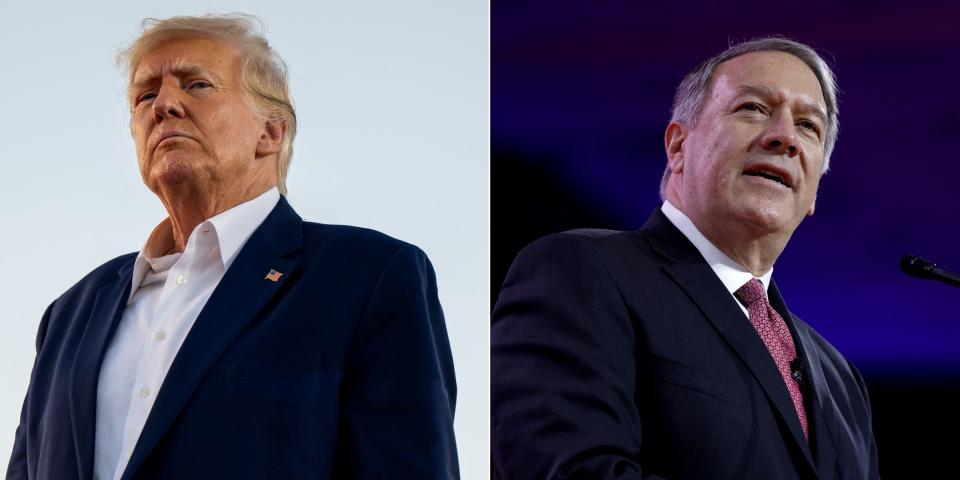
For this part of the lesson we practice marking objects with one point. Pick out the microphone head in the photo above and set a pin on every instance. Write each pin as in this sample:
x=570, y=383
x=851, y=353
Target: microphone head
x=917, y=266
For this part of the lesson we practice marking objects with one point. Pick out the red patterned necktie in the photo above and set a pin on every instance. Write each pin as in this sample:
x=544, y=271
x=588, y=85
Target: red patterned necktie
x=776, y=336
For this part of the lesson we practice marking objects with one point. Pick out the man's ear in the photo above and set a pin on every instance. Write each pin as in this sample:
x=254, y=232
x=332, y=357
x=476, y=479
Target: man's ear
x=813, y=205
x=271, y=138
x=673, y=140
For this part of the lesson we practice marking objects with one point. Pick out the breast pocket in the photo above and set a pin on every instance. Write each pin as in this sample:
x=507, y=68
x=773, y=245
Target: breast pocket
x=702, y=380
x=289, y=377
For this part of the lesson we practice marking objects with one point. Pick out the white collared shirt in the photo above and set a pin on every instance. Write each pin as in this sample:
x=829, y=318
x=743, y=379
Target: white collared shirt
x=167, y=295
x=732, y=274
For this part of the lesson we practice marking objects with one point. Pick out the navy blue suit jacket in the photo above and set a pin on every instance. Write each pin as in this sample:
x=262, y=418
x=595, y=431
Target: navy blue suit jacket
x=621, y=355
x=340, y=369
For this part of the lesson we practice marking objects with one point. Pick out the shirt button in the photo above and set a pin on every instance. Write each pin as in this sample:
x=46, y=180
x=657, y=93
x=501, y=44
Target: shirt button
x=182, y=279
x=144, y=392
x=160, y=336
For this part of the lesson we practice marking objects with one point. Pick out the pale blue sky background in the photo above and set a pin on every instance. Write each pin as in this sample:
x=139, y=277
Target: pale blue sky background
x=393, y=106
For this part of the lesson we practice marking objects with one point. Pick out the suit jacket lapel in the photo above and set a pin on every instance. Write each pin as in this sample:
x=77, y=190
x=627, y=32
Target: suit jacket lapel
x=105, y=314
x=822, y=411
x=692, y=273
x=240, y=295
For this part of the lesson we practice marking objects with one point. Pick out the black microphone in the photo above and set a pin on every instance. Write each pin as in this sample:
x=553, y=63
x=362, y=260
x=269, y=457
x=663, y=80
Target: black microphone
x=796, y=370
x=922, y=268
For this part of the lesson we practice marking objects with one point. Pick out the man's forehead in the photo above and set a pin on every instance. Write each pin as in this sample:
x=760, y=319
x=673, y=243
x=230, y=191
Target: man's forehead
x=186, y=56
x=769, y=74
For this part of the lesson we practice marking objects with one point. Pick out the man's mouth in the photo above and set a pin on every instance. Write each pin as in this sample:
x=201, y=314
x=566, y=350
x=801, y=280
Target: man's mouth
x=174, y=134
x=771, y=174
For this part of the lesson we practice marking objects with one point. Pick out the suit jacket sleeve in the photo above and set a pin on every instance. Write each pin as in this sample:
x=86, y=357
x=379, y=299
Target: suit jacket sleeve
x=399, y=390
x=17, y=468
x=563, y=368
x=873, y=470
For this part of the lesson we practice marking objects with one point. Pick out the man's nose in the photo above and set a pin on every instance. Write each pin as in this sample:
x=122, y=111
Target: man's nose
x=781, y=136
x=168, y=104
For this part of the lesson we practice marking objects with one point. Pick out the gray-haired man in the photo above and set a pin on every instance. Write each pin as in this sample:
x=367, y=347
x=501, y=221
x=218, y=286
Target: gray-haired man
x=668, y=352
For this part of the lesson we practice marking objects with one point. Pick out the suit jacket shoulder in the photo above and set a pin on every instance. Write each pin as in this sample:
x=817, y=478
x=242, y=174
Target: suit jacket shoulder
x=598, y=250
x=99, y=277
x=363, y=245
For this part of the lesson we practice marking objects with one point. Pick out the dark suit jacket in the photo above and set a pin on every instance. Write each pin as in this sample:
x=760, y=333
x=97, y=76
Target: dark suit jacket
x=341, y=369
x=620, y=355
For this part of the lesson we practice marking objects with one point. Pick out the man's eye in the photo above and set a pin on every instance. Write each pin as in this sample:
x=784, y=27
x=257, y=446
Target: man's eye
x=200, y=85
x=146, y=96
x=751, y=107
x=809, y=125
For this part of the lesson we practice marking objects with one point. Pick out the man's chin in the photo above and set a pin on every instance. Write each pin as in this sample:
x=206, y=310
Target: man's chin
x=170, y=173
x=770, y=217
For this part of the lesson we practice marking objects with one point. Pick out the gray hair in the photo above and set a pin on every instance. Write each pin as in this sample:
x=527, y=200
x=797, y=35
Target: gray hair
x=263, y=73
x=692, y=91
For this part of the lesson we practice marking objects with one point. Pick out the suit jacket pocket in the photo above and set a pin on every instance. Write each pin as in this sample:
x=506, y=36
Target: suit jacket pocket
x=699, y=379
x=276, y=367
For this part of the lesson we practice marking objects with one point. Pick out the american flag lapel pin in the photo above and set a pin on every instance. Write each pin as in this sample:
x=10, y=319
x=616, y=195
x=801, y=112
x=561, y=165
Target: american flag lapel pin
x=273, y=275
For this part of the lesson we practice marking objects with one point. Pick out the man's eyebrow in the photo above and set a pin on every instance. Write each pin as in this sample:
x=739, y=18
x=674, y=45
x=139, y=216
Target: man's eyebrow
x=764, y=92
x=179, y=70
x=815, y=110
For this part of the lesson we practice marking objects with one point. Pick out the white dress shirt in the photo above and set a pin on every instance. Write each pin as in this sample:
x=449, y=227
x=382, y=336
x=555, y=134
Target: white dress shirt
x=167, y=295
x=732, y=274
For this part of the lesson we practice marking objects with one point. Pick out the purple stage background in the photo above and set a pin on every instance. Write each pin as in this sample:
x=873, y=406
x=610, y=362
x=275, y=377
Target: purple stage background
x=581, y=93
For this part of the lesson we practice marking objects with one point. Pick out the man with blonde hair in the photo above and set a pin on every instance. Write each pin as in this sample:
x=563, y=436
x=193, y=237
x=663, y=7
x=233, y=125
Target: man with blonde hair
x=240, y=341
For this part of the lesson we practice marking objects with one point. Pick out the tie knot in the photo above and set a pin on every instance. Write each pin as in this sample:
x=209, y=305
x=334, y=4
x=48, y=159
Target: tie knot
x=751, y=292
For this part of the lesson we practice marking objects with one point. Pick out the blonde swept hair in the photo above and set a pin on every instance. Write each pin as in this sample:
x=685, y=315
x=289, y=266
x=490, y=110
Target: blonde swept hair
x=263, y=74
